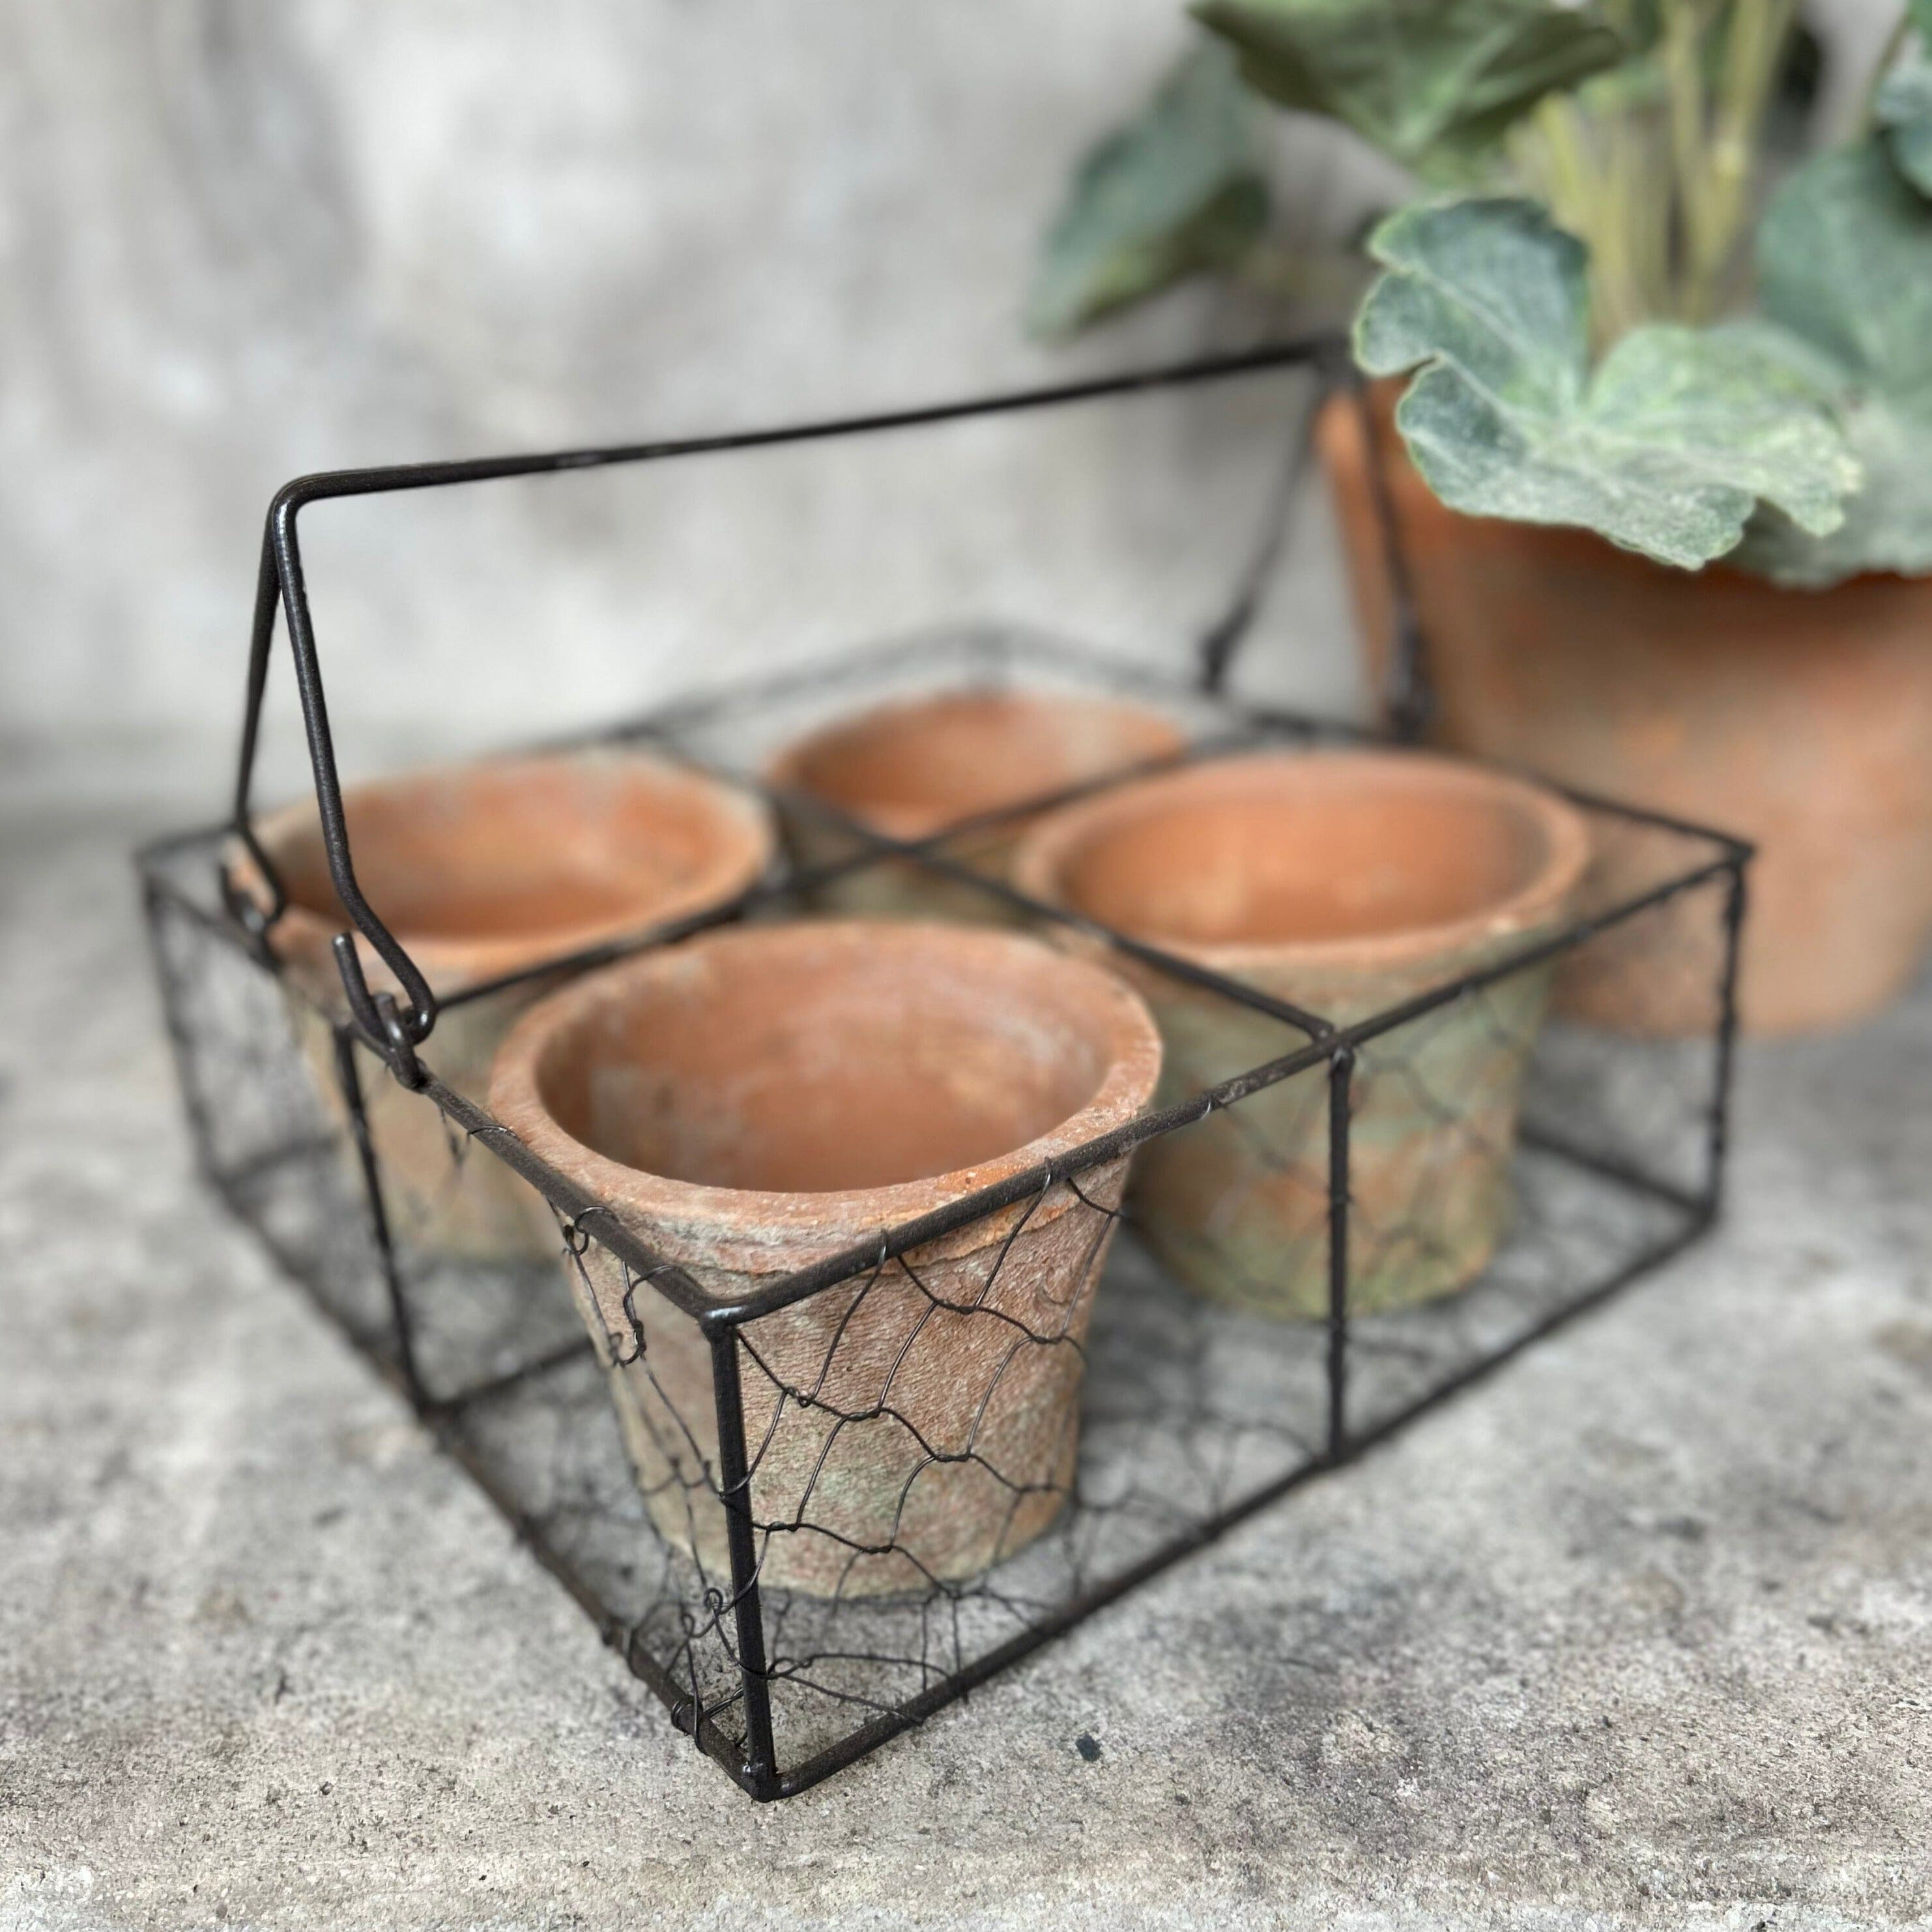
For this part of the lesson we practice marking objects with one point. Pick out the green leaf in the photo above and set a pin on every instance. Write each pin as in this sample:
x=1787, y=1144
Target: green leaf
x=1844, y=263
x=1177, y=191
x=1667, y=447
x=1903, y=109
x=1434, y=83
x=1902, y=106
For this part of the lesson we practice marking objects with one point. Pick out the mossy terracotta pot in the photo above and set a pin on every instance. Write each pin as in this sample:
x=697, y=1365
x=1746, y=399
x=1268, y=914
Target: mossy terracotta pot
x=913, y=767
x=1343, y=882
x=482, y=870
x=752, y=1101
x=1800, y=719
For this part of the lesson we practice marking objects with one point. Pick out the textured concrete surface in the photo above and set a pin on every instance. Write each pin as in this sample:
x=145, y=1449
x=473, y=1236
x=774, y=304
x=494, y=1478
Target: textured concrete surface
x=1640, y=1632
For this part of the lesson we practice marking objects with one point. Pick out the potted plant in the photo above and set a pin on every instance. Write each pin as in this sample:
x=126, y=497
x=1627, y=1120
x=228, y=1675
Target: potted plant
x=1653, y=396
x=911, y=768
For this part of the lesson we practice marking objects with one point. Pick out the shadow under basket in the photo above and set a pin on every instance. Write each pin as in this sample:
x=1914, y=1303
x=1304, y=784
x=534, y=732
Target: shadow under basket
x=1190, y=1412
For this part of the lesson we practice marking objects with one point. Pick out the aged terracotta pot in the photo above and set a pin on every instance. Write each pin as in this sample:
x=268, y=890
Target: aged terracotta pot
x=1343, y=882
x=912, y=767
x=481, y=870
x=1802, y=720
x=754, y=1101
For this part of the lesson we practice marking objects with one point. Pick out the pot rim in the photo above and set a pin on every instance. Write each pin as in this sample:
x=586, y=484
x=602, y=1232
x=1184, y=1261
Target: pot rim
x=896, y=716
x=1037, y=864
x=765, y=1231
x=302, y=936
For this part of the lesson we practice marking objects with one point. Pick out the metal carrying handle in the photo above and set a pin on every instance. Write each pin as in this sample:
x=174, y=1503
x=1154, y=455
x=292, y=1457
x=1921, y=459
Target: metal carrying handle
x=396, y=1031
x=1407, y=696
x=1215, y=652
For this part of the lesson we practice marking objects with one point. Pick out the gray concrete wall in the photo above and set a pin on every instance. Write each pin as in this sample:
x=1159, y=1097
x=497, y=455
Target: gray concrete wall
x=244, y=242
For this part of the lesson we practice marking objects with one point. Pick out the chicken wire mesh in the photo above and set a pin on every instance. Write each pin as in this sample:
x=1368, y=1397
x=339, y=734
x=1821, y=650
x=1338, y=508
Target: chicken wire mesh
x=810, y=1512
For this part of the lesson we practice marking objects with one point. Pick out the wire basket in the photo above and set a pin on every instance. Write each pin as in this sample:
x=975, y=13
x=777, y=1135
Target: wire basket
x=810, y=1512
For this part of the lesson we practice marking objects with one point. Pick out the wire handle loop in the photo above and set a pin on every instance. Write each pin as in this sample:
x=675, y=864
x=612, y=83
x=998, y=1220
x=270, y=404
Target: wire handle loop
x=1407, y=694
x=1214, y=654
x=395, y=1032
x=377, y=1013
x=397, y=1028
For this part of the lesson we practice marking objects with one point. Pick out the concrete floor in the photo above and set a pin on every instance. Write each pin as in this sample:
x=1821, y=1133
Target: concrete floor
x=1639, y=1633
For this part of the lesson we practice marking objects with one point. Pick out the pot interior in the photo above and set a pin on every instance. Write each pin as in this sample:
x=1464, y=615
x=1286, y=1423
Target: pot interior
x=917, y=766
x=782, y=1066
x=521, y=849
x=1268, y=853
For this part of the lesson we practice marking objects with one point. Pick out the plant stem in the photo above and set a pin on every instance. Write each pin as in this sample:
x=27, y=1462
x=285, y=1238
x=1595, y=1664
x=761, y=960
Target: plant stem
x=1715, y=140
x=1758, y=29
x=1684, y=100
x=1659, y=174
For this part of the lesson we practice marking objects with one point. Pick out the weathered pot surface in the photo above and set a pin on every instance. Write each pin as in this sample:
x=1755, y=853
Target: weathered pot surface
x=752, y=1101
x=483, y=870
x=912, y=767
x=1342, y=882
x=1799, y=719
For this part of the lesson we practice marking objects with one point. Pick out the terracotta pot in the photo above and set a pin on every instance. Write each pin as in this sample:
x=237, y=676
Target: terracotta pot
x=481, y=870
x=1802, y=720
x=911, y=768
x=754, y=1101
x=1344, y=882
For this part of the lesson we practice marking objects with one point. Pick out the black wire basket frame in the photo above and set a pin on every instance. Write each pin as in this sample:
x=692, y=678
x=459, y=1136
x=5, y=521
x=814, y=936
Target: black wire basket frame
x=727, y=1704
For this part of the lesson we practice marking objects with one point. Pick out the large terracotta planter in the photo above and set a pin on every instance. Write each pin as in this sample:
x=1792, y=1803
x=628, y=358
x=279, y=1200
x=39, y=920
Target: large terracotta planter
x=1343, y=882
x=1802, y=720
x=480, y=871
x=911, y=768
x=754, y=1101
